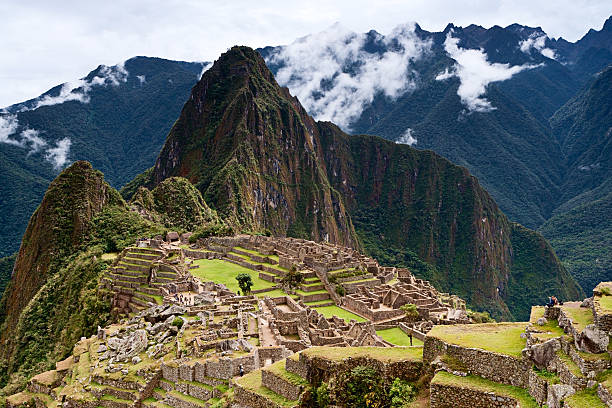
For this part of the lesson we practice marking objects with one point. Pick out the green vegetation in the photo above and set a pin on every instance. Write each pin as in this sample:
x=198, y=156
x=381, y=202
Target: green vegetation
x=398, y=337
x=223, y=272
x=586, y=398
x=245, y=282
x=503, y=338
x=252, y=382
x=411, y=311
x=481, y=384
x=581, y=316
x=390, y=354
x=605, y=302
x=177, y=322
x=329, y=311
x=322, y=396
x=213, y=230
x=6, y=269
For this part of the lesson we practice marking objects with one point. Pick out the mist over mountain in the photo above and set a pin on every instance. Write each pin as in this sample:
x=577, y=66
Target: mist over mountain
x=498, y=101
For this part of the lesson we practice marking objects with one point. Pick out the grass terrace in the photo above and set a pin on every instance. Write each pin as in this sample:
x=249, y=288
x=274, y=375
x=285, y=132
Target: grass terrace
x=605, y=302
x=398, y=337
x=581, y=316
x=480, y=384
x=252, y=382
x=550, y=330
x=386, y=354
x=225, y=272
x=502, y=338
x=586, y=398
x=329, y=311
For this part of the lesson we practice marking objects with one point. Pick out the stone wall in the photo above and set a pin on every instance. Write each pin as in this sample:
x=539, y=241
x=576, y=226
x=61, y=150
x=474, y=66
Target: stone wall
x=447, y=396
x=280, y=385
x=492, y=366
x=249, y=399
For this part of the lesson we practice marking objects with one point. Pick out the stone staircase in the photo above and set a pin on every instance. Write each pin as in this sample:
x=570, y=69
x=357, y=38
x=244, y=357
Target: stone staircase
x=133, y=281
x=352, y=279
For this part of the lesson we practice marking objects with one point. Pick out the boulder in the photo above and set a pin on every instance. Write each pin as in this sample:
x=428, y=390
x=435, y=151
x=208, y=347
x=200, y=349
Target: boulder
x=556, y=393
x=542, y=321
x=593, y=340
x=543, y=353
x=172, y=310
x=587, y=303
x=172, y=236
x=132, y=345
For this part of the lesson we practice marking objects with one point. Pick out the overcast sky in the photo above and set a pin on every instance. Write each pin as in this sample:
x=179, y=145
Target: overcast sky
x=47, y=42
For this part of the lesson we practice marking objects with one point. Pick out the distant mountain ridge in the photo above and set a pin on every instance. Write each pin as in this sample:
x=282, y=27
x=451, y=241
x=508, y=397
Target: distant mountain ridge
x=512, y=149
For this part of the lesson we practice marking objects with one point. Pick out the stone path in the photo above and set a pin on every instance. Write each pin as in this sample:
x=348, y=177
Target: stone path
x=267, y=338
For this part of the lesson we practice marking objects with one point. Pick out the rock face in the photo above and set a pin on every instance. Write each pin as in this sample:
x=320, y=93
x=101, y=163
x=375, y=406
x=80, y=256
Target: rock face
x=55, y=230
x=593, y=340
x=263, y=162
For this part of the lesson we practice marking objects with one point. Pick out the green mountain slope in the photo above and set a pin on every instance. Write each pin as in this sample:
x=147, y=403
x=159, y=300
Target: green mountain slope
x=119, y=130
x=582, y=237
x=261, y=161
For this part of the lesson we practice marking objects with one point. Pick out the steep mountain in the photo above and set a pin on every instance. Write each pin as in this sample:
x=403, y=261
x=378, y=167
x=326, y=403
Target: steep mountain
x=6, y=270
x=261, y=161
x=581, y=228
x=54, y=296
x=56, y=231
x=116, y=117
x=500, y=101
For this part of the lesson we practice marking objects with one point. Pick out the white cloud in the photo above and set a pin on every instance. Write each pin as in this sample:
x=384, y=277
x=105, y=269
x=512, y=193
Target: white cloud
x=31, y=137
x=475, y=72
x=205, y=66
x=58, y=155
x=538, y=43
x=8, y=126
x=407, y=138
x=317, y=69
x=141, y=79
x=79, y=90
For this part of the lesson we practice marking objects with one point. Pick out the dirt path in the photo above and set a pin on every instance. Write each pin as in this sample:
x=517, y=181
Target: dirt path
x=267, y=338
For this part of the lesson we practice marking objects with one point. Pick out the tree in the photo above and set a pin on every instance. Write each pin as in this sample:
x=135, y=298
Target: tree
x=245, y=283
x=411, y=311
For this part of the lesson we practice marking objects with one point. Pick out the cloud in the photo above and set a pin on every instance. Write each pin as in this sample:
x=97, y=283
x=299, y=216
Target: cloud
x=407, y=138
x=30, y=139
x=538, y=43
x=141, y=79
x=205, y=66
x=475, y=72
x=79, y=90
x=58, y=155
x=334, y=77
x=8, y=126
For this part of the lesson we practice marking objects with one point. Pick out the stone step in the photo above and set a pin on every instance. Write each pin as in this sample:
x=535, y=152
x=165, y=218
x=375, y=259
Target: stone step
x=135, y=261
x=313, y=287
x=314, y=297
x=167, y=275
x=145, y=250
x=144, y=297
x=133, y=267
x=282, y=382
x=309, y=275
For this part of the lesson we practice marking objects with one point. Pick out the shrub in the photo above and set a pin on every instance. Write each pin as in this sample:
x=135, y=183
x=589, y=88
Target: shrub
x=293, y=278
x=401, y=393
x=212, y=230
x=340, y=290
x=480, y=317
x=322, y=396
x=364, y=388
x=178, y=322
x=605, y=291
x=245, y=282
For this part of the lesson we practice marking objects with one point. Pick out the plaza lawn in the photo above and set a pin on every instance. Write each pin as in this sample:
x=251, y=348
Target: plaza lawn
x=503, y=338
x=398, y=337
x=223, y=272
x=329, y=311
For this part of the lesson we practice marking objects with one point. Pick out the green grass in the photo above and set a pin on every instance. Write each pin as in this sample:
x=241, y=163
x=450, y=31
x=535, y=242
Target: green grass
x=503, y=338
x=225, y=272
x=569, y=363
x=252, y=382
x=581, y=316
x=318, y=302
x=398, y=337
x=329, y=311
x=278, y=368
x=480, y=384
x=385, y=354
x=550, y=330
x=188, y=398
x=586, y=398
x=606, y=303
